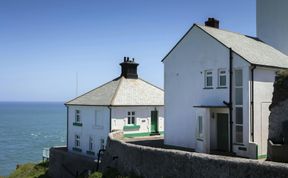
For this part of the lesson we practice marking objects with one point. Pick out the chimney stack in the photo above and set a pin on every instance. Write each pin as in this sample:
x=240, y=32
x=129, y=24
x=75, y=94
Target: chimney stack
x=211, y=22
x=129, y=68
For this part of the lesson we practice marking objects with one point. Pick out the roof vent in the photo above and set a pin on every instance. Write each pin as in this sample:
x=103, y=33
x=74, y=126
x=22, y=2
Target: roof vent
x=211, y=22
x=129, y=68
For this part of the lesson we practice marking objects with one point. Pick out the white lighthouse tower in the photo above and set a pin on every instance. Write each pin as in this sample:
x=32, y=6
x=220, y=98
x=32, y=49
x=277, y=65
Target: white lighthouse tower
x=272, y=23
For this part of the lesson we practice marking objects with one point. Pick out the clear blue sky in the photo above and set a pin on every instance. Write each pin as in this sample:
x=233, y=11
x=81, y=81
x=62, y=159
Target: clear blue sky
x=43, y=43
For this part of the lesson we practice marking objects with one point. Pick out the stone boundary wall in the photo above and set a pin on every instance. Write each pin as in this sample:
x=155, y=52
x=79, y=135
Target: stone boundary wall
x=63, y=164
x=151, y=162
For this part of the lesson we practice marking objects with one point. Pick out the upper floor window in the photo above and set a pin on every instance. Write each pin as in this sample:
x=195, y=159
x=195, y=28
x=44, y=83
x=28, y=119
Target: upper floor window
x=131, y=117
x=77, y=116
x=222, y=82
x=98, y=119
x=208, y=79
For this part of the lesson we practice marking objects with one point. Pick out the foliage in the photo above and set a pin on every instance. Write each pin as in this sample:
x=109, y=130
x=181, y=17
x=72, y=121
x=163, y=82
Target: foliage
x=30, y=170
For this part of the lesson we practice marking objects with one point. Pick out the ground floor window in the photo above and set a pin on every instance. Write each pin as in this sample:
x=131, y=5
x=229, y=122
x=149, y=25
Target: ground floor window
x=131, y=117
x=200, y=126
x=91, y=143
x=77, y=141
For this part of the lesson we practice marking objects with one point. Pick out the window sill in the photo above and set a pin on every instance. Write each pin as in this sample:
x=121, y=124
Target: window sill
x=76, y=149
x=222, y=87
x=90, y=153
x=77, y=124
x=238, y=144
x=208, y=88
x=131, y=127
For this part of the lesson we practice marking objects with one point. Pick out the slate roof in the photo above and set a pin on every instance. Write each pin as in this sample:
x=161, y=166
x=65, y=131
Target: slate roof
x=251, y=49
x=122, y=92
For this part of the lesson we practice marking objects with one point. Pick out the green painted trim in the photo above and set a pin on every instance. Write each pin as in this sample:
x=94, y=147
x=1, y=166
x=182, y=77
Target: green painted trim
x=76, y=149
x=90, y=153
x=131, y=127
x=77, y=124
x=261, y=156
x=131, y=135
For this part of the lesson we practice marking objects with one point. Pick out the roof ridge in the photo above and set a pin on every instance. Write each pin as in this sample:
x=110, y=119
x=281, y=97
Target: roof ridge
x=116, y=92
x=150, y=84
x=91, y=90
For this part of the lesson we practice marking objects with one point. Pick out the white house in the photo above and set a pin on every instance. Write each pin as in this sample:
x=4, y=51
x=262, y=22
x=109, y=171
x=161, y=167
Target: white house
x=126, y=103
x=218, y=88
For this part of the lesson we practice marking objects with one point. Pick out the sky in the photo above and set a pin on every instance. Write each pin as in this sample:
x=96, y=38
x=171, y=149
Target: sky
x=45, y=44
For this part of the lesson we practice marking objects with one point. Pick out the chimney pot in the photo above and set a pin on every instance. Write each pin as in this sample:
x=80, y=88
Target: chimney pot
x=129, y=68
x=212, y=22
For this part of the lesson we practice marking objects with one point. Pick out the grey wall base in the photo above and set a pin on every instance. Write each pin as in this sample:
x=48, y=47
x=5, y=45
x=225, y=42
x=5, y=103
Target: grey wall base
x=155, y=162
x=63, y=164
x=277, y=152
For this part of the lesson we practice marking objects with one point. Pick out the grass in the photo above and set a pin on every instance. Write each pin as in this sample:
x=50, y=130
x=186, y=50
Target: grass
x=30, y=170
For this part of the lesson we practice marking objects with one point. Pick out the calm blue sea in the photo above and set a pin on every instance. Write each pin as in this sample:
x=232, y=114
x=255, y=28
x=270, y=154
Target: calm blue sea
x=26, y=128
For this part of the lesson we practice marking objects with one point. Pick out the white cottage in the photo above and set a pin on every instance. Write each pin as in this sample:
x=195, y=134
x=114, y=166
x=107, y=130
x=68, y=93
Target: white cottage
x=126, y=103
x=218, y=88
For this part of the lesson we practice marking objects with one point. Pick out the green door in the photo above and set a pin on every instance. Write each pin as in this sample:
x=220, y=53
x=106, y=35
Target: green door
x=222, y=132
x=154, y=121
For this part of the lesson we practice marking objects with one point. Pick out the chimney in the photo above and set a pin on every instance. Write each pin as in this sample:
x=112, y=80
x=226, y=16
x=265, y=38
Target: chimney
x=211, y=22
x=129, y=68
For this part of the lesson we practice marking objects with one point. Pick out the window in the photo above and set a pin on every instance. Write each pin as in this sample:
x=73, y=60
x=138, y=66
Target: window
x=77, y=116
x=222, y=78
x=98, y=119
x=200, y=126
x=238, y=85
x=131, y=117
x=91, y=143
x=77, y=141
x=208, y=79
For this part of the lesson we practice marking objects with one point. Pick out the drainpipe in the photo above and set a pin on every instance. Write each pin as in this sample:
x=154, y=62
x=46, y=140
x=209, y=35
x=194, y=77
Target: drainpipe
x=67, y=108
x=252, y=102
x=110, y=119
x=230, y=97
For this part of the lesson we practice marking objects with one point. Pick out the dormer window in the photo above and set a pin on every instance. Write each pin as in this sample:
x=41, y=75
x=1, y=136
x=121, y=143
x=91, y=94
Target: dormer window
x=208, y=80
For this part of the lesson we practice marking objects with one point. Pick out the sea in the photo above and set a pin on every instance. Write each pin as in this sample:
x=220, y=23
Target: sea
x=28, y=127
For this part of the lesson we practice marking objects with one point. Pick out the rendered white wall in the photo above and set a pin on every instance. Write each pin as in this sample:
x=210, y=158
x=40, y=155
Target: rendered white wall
x=184, y=83
x=87, y=114
x=263, y=81
x=272, y=24
x=143, y=118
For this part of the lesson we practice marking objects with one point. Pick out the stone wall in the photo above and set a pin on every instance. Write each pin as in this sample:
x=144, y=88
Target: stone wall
x=155, y=162
x=279, y=114
x=63, y=164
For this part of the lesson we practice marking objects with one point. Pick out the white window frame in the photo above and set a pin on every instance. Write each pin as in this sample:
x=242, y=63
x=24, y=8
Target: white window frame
x=200, y=126
x=238, y=106
x=220, y=74
x=77, y=116
x=208, y=73
x=131, y=119
x=77, y=143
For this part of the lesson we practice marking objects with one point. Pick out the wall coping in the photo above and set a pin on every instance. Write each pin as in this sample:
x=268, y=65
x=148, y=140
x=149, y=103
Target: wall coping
x=117, y=136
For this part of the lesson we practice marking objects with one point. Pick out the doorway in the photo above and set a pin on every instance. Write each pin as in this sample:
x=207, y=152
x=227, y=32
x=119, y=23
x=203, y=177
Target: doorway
x=222, y=132
x=154, y=121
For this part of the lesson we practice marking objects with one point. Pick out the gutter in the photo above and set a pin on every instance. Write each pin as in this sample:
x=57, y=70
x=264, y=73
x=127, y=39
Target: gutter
x=252, y=102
